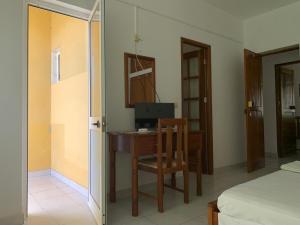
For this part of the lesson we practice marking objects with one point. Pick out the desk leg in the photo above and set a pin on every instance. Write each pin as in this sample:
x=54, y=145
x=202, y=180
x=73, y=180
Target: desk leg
x=173, y=175
x=134, y=189
x=112, y=173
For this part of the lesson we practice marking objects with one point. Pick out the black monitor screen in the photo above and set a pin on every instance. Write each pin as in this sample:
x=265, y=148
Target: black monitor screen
x=147, y=114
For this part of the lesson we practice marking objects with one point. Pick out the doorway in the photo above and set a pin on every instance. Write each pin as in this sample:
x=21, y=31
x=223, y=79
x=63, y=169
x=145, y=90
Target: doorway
x=66, y=99
x=196, y=95
x=287, y=88
x=262, y=100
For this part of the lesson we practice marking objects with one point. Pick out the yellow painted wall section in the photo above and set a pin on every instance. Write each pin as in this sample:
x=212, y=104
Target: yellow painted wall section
x=39, y=89
x=69, y=100
x=96, y=75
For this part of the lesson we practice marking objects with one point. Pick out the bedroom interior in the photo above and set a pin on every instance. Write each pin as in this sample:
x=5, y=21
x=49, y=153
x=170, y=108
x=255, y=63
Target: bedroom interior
x=191, y=112
x=258, y=107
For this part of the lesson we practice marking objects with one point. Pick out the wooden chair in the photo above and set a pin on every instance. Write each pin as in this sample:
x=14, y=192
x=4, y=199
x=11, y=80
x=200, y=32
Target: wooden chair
x=169, y=159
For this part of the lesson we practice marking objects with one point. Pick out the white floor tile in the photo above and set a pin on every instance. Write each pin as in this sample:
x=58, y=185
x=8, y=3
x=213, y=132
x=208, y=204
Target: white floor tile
x=51, y=202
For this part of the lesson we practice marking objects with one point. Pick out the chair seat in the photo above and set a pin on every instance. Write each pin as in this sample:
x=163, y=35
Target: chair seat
x=151, y=164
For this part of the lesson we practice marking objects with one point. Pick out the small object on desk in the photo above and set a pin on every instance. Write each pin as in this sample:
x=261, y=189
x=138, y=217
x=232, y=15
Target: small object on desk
x=143, y=130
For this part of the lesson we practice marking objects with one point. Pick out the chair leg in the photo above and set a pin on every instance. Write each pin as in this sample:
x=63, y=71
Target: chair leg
x=199, y=174
x=160, y=192
x=173, y=179
x=199, y=181
x=186, y=185
x=135, y=188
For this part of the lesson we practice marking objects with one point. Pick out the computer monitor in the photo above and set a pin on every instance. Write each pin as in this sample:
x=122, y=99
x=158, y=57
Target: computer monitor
x=147, y=114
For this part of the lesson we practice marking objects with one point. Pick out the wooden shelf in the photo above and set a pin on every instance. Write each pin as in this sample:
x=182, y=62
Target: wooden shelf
x=191, y=78
x=191, y=99
x=194, y=119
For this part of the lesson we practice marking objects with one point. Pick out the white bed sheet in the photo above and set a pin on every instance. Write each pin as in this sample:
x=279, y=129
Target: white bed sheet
x=227, y=220
x=270, y=200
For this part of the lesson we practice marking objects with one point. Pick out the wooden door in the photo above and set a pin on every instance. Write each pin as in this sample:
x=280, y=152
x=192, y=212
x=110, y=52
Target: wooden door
x=254, y=111
x=193, y=98
x=194, y=89
x=286, y=121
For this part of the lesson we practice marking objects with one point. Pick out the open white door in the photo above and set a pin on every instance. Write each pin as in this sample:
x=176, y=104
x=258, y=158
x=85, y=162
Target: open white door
x=97, y=197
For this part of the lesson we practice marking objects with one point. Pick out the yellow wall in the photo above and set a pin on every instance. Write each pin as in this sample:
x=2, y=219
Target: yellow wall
x=62, y=106
x=69, y=100
x=39, y=68
x=96, y=76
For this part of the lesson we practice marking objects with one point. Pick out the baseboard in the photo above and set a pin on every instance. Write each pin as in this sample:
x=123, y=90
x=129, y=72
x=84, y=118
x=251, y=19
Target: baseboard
x=39, y=173
x=12, y=220
x=237, y=165
x=271, y=155
x=82, y=190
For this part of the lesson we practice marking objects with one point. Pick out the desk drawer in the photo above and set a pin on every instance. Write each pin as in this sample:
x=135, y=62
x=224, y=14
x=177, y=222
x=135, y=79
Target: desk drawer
x=146, y=145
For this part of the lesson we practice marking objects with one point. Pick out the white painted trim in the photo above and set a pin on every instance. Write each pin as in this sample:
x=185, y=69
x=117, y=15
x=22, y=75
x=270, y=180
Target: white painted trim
x=95, y=210
x=61, y=7
x=104, y=107
x=94, y=10
x=82, y=190
x=40, y=173
x=24, y=113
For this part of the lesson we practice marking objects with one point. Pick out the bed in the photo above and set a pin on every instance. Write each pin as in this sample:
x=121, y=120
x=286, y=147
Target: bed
x=269, y=200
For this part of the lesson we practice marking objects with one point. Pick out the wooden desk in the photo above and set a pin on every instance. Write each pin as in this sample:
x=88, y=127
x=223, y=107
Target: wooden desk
x=142, y=144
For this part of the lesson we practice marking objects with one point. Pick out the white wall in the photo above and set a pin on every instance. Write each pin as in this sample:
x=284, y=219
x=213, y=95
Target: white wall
x=161, y=25
x=269, y=96
x=276, y=29
x=10, y=111
x=11, y=24
x=86, y=4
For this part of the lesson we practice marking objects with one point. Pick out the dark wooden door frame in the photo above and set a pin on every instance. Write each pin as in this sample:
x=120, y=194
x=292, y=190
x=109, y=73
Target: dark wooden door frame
x=209, y=135
x=254, y=118
x=278, y=104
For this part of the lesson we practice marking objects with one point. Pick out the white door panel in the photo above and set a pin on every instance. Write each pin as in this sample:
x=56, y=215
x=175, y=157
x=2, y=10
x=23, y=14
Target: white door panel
x=97, y=113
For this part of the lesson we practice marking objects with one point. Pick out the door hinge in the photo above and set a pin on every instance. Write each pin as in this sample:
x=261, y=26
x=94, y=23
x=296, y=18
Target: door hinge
x=204, y=62
x=103, y=123
x=104, y=219
x=205, y=99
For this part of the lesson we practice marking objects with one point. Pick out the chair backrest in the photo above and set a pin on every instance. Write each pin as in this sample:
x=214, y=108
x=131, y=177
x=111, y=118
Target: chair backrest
x=170, y=130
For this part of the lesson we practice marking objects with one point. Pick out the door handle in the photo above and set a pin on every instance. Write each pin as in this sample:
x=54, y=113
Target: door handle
x=97, y=124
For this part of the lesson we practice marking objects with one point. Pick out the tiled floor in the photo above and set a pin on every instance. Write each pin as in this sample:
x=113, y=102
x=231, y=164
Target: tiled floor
x=178, y=213
x=51, y=202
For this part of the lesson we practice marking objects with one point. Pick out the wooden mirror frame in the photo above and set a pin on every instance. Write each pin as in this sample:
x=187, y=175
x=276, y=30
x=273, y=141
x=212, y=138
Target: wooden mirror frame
x=147, y=63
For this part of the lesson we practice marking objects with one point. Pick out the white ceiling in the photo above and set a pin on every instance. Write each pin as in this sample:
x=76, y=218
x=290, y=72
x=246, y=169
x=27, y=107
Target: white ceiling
x=249, y=8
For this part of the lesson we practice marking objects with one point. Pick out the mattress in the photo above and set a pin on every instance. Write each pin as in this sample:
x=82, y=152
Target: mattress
x=270, y=200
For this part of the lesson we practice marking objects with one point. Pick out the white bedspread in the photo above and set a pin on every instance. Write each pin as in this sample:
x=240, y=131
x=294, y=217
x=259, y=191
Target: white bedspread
x=270, y=200
x=227, y=220
x=292, y=167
